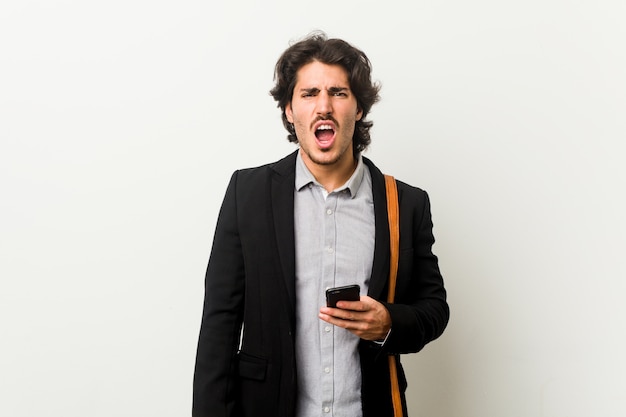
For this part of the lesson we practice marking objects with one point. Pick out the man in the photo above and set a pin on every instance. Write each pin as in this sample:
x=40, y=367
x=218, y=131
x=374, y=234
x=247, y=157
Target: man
x=289, y=230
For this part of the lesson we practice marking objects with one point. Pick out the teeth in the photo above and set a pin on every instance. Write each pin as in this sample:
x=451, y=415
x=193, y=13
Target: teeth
x=324, y=127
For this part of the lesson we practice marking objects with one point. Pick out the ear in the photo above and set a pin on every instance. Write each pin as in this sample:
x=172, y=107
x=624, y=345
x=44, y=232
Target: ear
x=289, y=113
x=359, y=114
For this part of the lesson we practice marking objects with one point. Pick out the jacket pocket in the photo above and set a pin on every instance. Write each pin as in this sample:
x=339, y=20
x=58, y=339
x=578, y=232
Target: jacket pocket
x=252, y=367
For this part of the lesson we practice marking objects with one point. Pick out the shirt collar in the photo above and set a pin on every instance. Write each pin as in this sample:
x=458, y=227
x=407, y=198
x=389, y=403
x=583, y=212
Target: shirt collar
x=304, y=176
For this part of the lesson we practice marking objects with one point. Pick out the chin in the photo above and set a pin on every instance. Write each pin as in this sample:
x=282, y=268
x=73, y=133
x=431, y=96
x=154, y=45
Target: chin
x=326, y=159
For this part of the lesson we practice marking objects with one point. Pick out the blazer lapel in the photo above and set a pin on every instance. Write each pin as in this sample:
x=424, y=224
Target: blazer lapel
x=380, y=265
x=282, y=189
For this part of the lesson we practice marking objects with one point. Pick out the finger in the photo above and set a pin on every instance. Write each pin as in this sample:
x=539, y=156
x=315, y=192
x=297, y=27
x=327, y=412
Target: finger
x=352, y=326
x=339, y=313
x=352, y=305
x=335, y=321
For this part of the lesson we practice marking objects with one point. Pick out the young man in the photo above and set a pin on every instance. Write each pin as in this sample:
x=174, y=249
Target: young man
x=289, y=230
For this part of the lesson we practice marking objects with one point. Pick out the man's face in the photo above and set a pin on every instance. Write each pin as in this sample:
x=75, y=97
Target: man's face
x=324, y=112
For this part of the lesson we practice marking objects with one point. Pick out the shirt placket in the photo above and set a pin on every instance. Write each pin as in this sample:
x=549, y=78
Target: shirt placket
x=328, y=280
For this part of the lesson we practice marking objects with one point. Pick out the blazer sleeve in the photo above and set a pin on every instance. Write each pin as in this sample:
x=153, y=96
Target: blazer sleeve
x=420, y=312
x=215, y=373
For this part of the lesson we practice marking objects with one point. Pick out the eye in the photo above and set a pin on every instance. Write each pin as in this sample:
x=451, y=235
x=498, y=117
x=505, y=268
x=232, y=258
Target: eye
x=338, y=92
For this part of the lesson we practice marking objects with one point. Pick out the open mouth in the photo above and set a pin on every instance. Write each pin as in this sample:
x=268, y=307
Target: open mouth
x=325, y=132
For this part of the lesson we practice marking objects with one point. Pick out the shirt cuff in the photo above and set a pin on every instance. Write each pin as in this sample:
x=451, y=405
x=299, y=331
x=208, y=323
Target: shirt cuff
x=382, y=342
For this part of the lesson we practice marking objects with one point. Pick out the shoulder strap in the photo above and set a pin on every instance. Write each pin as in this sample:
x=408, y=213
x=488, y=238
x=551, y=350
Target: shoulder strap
x=394, y=233
x=393, y=213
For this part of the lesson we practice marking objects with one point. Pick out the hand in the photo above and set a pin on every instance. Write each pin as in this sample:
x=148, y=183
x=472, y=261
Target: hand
x=366, y=318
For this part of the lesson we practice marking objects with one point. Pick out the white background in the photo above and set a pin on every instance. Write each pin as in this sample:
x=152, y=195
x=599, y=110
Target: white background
x=121, y=122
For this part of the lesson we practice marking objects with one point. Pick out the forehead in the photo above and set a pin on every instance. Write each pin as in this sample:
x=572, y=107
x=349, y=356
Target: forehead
x=319, y=75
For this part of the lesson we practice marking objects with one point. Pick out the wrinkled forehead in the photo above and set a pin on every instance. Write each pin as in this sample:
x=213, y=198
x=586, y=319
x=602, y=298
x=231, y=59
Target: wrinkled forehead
x=321, y=76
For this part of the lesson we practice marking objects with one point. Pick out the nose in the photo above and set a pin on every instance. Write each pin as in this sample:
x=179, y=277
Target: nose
x=324, y=104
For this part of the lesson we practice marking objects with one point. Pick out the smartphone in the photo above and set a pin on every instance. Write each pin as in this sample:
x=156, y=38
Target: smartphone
x=347, y=293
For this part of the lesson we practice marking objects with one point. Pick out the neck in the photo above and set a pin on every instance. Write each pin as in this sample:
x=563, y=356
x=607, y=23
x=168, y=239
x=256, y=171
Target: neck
x=332, y=176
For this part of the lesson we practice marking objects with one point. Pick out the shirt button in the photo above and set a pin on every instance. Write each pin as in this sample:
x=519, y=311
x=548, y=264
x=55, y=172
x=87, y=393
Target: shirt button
x=327, y=370
x=327, y=329
x=329, y=211
x=330, y=250
x=327, y=409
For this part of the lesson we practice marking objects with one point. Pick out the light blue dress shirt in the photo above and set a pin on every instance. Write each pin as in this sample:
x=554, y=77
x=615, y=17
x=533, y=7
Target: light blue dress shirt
x=334, y=244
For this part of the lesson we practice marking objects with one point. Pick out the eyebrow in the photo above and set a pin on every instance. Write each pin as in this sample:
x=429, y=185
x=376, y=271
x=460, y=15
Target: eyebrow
x=315, y=90
x=337, y=89
x=310, y=90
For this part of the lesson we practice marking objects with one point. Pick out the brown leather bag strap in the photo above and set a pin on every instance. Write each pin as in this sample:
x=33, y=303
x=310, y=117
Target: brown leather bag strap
x=394, y=234
x=393, y=213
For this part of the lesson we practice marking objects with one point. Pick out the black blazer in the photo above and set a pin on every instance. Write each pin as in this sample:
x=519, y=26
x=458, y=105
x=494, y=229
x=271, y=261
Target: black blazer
x=250, y=280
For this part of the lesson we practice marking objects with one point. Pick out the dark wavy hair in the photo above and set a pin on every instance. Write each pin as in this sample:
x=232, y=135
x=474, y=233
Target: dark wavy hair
x=317, y=47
